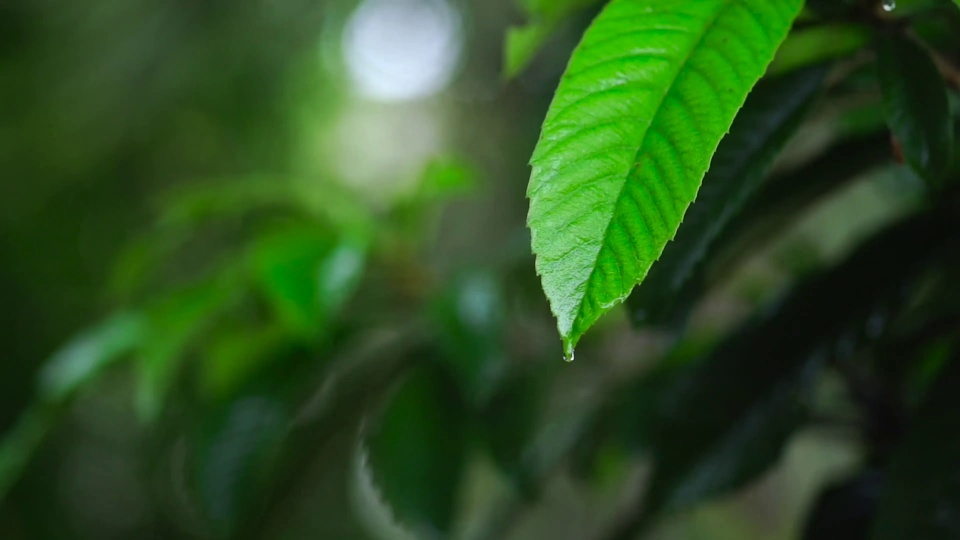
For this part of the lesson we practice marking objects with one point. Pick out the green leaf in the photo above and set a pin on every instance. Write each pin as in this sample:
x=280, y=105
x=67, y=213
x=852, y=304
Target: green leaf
x=554, y=9
x=647, y=96
x=417, y=451
x=306, y=276
x=770, y=116
x=511, y=421
x=235, y=355
x=828, y=9
x=339, y=275
x=523, y=42
x=173, y=324
x=916, y=105
x=845, y=510
x=233, y=456
x=818, y=44
x=471, y=316
x=778, y=204
x=629, y=417
x=522, y=45
x=726, y=423
x=194, y=205
x=84, y=357
x=21, y=442
x=729, y=420
x=930, y=363
x=922, y=495
x=444, y=177
x=780, y=201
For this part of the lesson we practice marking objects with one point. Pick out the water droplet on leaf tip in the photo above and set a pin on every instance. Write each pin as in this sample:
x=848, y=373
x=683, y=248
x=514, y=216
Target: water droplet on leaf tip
x=889, y=5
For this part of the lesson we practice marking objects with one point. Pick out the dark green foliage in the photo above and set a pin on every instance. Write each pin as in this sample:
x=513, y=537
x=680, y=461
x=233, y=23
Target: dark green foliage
x=309, y=308
x=921, y=498
x=728, y=421
x=305, y=276
x=770, y=116
x=845, y=510
x=510, y=423
x=234, y=459
x=471, y=318
x=416, y=453
x=916, y=105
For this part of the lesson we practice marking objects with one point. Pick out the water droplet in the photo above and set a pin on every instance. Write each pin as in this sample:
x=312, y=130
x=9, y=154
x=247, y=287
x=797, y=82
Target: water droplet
x=568, y=357
x=889, y=5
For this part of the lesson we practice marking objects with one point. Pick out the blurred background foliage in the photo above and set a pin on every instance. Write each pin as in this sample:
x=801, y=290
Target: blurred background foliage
x=264, y=274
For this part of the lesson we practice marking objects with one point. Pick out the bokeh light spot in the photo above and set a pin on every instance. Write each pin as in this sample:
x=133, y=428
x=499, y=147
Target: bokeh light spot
x=402, y=50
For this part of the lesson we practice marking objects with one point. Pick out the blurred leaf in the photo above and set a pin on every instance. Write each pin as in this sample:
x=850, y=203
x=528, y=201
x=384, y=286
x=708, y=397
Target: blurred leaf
x=845, y=510
x=194, y=205
x=522, y=45
x=524, y=42
x=172, y=325
x=818, y=44
x=417, y=452
x=554, y=9
x=633, y=411
x=728, y=422
x=286, y=265
x=340, y=273
x=88, y=354
x=306, y=276
x=862, y=121
x=510, y=423
x=471, y=317
x=336, y=203
x=139, y=261
x=624, y=148
x=444, y=177
x=238, y=353
x=770, y=116
x=21, y=442
x=830, y=8
x=915, y=102
x=925, y=338
x=922, y=495
x=777, y=204
x=233, y=460
x=340, y=396
x=783, y=199
x=932, y=362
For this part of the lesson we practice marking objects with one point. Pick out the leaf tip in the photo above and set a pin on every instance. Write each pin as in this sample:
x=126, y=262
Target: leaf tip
x=568, y=349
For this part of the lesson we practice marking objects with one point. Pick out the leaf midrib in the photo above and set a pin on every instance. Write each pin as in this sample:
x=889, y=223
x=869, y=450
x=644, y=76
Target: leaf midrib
x=682, y=66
